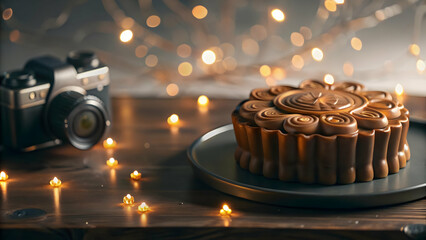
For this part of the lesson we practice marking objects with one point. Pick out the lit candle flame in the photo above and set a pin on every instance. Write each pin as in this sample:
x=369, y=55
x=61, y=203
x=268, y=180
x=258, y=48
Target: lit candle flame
x=203, y=100
x=329, y=79
x=173, y=119
x=3, y=176
x=112, y=162
x=225, y=210
x=143, y=207
x=128, y=199
x=55, y=182
x=277, y=15
x=109, y=143
x=399, y=90
x=135, y=175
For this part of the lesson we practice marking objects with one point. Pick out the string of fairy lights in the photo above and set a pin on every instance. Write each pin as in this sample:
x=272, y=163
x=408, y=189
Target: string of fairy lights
x=204, y=56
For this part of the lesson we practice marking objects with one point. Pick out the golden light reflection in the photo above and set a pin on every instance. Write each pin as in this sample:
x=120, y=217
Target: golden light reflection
x=141, y=51
x=7, y=14
x=317, y=54
x=14, y=35
x=109, y=143
x=55, y=182
x=3, y=185
x=128, y=199
x=399, y=90
x=184, y=50
x=185, y=69
x=135, y=175
x=112, y=162
x=208, y=57
x=113, y=176
x=277, y=15
x=151, y=60
x=330, y=5
x=226, y=210
x=203, y=100
x=356, y=43
x=144, y=220
x=153, y=21
x=265, y=70
x=126, y=35
x=297, y=62
x=348, y=69
x=297, y=39
x=57, y=200
x=172, y=89
x=199, y=12
x=250, y=47
x=420, y=65
x=329, y=79
x=414, y=49
x=3, y=176
x=173, y=119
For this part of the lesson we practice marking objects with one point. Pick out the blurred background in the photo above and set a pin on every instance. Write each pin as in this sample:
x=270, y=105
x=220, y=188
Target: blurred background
x=224, y=48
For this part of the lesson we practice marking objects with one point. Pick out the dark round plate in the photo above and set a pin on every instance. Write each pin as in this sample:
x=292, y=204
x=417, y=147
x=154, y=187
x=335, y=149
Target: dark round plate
x=212, y=157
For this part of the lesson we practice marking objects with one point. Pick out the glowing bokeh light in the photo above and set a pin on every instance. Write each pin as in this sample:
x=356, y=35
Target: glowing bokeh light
x=356, y=43
x=151, y=60
x=250, y=47
x=203, y=100
x=279, y=73
x=420, y=64
x=199, y=12
x=173, y=119
x=399, y=90
x=348, y=69
x=153, y=21
x=126, y=35
x=141, y=51
x=330, y=5
x=265, y=70
x=297, y=62
x=329, y=79
x=317, y=54
x=112, y=162
x=185, y=69
x=172, y=89
x=55, y=182
x=3, y=176
x=297, y=39
x=184, y=50
x=414, y=49
x=277, y=15
x=208, y=57
x=7, y=14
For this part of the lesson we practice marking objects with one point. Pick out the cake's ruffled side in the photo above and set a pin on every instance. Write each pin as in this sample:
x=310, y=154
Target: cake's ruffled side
x=342, y=158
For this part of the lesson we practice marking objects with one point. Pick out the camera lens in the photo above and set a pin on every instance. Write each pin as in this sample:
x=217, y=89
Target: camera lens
x=83, y=59
x=78, y=119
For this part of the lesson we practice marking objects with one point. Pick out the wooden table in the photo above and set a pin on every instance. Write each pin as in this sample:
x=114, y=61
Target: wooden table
x=89, y=202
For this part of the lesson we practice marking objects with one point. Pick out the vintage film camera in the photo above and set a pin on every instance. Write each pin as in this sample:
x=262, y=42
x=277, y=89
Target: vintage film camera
x=50, y=101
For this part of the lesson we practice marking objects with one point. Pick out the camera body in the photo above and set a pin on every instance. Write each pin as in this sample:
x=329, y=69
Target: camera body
x=50, y=101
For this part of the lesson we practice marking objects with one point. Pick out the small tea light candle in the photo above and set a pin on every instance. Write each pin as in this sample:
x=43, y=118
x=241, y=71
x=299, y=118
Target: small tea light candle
x=225, y=210
x=3, y=176
x=128, y=199
x=173, y=119
x=203, y=100
x=143, y=207
x=55, y=182
x=135, y=175
x=109, y=143
x=112, y=162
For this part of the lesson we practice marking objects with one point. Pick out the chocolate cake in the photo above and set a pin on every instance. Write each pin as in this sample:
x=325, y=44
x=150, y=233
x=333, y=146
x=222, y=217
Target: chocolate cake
x=319, y=133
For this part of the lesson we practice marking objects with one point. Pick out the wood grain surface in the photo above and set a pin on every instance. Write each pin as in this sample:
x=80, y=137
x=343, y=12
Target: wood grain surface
x=88, y=205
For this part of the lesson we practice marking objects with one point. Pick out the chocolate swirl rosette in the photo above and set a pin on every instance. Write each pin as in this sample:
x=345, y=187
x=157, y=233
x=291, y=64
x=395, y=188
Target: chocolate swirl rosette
x=321, y=133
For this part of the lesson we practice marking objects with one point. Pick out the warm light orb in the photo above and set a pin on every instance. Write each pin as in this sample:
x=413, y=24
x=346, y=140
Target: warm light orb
x=399, y=90
x=173, y=119
x=339, y=1
x=420, y=64
x=208, y=57
x=203, y=100
x=297, y=62
x=225, y=210
x=330, y=5
x=317, y=54
x=151, y=60
x=172, y=89
x=7, y=14
x=143, y=207
x=135, y=175
x=356, y=43
x=329, y=79
x=279, y=73
x=126, y=35
x=277, y=15
x=153, y=21
x=112, y=162
x=128, y=199
x=414, y=49
x=199, y=12
x=348, y=69
x=185, y=69
x=297, y=39
x=184, y=50
x=55, y=182
x=265, y=70
x=3, y=176
x=109, y=143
